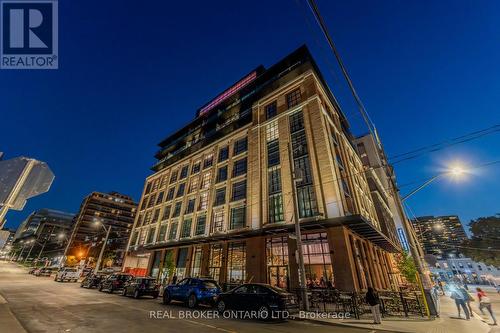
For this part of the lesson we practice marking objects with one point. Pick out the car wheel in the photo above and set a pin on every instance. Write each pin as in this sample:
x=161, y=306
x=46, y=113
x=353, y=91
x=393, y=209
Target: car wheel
x=136, y=294
x=81, y=285
x=124, y=292
x=264, y=312
x=192, y=301
x=155, y=296
x=100, y=287
x=221, y=306
x=166, y=297
x=110, y=290
x=55, y=278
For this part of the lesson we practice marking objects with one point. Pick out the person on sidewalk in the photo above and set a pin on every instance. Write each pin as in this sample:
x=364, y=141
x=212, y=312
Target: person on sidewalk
x=373, y=300
x=468, y=297
x=458, y=296
x=435, y=298
x=484, y=302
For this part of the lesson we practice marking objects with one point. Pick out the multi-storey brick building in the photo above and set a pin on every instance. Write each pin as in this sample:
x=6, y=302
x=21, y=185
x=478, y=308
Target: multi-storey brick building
x=227, y=188
x=98, y=209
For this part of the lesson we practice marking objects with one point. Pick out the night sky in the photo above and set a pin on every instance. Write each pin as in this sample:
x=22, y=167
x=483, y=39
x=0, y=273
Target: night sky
x=132, y=72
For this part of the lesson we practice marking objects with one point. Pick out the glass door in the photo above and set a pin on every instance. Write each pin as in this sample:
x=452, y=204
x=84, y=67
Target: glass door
x=278, y=276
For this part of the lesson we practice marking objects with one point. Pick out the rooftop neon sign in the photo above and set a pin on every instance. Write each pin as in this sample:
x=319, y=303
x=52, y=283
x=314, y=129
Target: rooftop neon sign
x=229, y=92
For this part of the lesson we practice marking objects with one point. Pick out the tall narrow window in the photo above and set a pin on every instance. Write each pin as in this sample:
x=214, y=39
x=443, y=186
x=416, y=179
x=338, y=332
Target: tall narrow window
x=240, y=167
x=200, y=225
x=237, y=218
x=184, y=172
x=203, y=201
x=177, y=209
x=239, y=191
x=222, y=174
x=218, y=221
x=293, y=98
x=306, y=198
x=271, y=110
x=180, y=190
x=223, y=154
x=220, y=196
x=186, y=228
x=172, y=234
x=240, y=146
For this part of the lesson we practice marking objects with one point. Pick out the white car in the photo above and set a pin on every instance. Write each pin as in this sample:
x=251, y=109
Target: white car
x=67, y=274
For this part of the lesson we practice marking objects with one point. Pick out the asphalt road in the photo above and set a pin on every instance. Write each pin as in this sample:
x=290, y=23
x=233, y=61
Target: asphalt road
x=42, y=305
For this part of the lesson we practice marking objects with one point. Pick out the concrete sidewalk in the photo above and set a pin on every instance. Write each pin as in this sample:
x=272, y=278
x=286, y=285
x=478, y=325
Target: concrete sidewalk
x=8, y=322
x=447, y=322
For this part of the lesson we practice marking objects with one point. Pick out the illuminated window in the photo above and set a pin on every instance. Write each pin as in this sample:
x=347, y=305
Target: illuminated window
x=272, y=132
x=160, y=197
x=162, y=233
x=151, y=235
x=206, y=181
x=276, y=208
x=236, y=263
x=203, y=201
x=193, y=186
x=273, y=153
x=215, y=261
x=209, y=161
x=196, y=261
x=218, y=221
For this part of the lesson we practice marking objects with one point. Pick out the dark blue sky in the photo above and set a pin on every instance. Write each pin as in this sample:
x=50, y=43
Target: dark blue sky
x=132, y=72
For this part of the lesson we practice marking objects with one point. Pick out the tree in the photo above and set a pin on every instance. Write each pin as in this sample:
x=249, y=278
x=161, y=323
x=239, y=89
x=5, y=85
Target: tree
x=485, y=242
x=406, y=266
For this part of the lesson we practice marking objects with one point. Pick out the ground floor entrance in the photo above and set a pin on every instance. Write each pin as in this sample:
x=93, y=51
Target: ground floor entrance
x=333, y=258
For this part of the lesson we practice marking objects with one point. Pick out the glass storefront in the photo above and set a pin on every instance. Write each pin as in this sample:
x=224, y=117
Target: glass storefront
x=180, y=269
x=317, y=260
x=155, y=270
x=196, y=262
x=215, y=261
x=236, y=263
x=277, y=262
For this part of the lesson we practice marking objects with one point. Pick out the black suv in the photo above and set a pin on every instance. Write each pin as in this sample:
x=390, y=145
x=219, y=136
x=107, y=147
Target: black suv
x=141, y=286
x=114, y=282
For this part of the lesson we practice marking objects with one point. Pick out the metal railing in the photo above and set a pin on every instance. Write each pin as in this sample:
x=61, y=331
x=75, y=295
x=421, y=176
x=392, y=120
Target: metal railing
x=392, y=303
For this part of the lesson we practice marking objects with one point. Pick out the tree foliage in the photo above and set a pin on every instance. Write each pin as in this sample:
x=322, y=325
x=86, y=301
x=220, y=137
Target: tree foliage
x=485, y=242
x=406, y=266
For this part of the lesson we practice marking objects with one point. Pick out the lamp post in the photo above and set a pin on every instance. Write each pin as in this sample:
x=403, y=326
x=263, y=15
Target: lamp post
x=422, y=279
x=108, y=230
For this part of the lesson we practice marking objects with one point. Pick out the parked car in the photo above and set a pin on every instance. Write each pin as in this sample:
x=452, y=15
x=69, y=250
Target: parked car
x=67, y=274
x=32, y=270
x=45, y=271
x=192, y=291
x=114, y=282
x=141, y=286
x=268, y=301
x=92, y=280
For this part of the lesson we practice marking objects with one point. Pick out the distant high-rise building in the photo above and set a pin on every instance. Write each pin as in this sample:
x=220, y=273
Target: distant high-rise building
x=113, y=210
x=43, y=234
x=440, y=235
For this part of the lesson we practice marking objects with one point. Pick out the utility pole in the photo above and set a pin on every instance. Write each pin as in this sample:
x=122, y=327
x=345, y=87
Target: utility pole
x=108, y=230
x=298, y=235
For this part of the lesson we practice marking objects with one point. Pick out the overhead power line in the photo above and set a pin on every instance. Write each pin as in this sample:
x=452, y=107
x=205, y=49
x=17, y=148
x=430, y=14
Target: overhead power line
x=444, y=144
x=319, y=19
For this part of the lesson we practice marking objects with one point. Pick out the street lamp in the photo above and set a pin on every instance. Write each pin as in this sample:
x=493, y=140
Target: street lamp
x=455, y=171
x=108, y=230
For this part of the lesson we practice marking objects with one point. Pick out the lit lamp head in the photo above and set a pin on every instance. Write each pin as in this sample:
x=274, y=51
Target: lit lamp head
x=61, y=236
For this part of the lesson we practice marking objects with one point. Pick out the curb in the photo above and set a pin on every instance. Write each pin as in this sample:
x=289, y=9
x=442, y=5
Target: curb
x=337, y=324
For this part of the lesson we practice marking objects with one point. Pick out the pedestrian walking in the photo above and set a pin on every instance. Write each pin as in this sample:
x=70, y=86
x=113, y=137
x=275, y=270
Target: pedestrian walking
x=484, y=302
x=435, y=298
x=458, y=296
x=374, y=301
x=468, y=297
